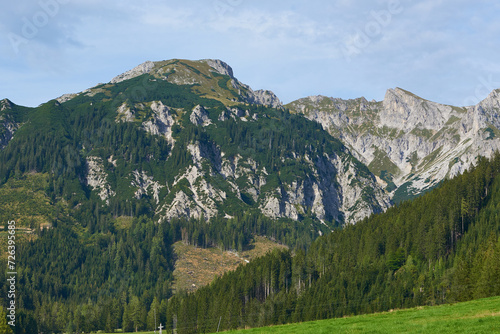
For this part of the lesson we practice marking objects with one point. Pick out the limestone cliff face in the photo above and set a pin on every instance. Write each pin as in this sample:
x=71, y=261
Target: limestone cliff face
x=161, y=122
x=141, y=69
x=199, y=116
x=336, y=190
x=409, y=143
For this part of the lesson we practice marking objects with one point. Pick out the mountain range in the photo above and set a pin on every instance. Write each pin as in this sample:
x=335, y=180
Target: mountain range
x=408, y=144
x=102, y=183
x=228, y=148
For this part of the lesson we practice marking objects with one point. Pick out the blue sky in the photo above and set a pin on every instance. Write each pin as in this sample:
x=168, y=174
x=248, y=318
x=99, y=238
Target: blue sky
x=446, y=51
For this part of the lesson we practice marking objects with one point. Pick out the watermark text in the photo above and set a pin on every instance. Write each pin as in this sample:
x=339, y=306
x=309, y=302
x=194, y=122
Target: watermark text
x=11, y=273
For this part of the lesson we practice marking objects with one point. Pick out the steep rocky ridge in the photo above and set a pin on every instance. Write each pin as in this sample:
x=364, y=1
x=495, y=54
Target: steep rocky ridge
x=207, y=73
x=409, y=143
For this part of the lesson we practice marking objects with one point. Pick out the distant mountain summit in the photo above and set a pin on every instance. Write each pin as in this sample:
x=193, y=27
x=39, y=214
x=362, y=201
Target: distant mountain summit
x=409, y=143
x=204, y=73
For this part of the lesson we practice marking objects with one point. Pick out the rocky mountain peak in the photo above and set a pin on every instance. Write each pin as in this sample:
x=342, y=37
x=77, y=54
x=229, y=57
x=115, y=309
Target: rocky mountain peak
x=141, y=69
x=219, y=66
x=265, y=97
x=408, y=142
x=492, y=101
x=316, y=98
x=5, y=104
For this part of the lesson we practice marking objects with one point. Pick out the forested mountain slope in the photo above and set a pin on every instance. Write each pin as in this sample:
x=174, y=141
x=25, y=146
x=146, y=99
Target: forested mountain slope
x=439, y=248
x=108, y=179
x=103, y=182
x=186, y=139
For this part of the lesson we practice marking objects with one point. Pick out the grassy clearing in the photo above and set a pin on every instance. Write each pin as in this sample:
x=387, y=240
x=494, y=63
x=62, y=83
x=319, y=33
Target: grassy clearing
x=478, y=316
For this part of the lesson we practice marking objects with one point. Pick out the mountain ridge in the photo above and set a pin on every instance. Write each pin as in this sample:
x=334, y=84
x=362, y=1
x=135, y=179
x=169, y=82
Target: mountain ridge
x=178, y=151
x=409, y=143
x=220, y=148
x=158, y=68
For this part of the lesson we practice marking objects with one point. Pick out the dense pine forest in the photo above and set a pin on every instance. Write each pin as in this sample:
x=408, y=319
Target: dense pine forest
x=439, y=248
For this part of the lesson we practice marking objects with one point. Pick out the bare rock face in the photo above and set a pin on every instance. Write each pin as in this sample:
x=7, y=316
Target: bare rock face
x=66, y=97
x=97, y=178
x=125, y=114
x=135, y=72
x=336, y=190
x=162, y=121
x=219, y=66
x=405, y=111
x=199, y=116
x=5, y=105
x=8, y=126
x=409, y=143
x=265, y=97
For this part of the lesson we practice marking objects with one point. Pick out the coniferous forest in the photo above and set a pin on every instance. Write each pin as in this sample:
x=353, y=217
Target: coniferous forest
x=109, y=266
x=439, y=248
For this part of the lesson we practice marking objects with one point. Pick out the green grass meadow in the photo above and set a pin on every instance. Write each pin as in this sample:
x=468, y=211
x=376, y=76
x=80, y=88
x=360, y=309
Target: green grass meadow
x=478, y=316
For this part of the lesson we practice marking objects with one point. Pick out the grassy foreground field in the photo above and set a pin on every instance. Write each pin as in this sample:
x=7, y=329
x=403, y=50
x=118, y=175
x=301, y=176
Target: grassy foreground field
x=478, y=316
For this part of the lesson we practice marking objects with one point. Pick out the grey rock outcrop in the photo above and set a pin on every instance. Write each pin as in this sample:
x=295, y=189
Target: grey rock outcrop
x=219, y=66
x=8, y=126
x=409, y=143
x=145, y=185
x=336, y=190
x=161, y=122
x=141, y=69
x=5, y=105
x=97, y=178
x=199, y=116
x=264, y=97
